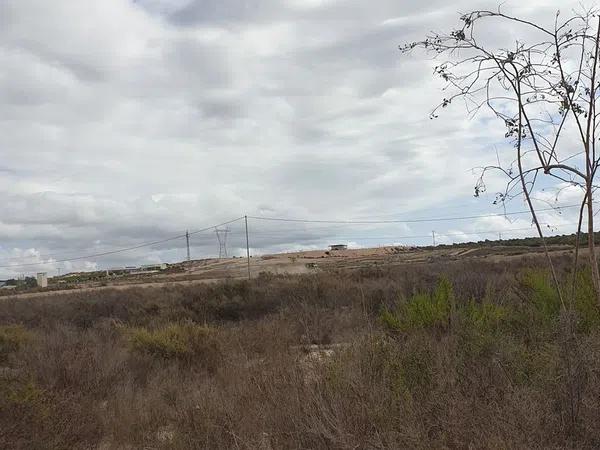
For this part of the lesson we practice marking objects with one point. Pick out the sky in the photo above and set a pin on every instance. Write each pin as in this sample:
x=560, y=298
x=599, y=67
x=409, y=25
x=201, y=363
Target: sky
x=124, y=122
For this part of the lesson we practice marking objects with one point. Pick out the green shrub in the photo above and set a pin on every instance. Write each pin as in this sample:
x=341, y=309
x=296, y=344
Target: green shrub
x=12, y=338
x=185, y=342
x=481, y=327
x=585, y=303
x=485, y=316
x=430, y=310
x=540, y=289
x=542, y=293
x=390, y=320
x=424, y=311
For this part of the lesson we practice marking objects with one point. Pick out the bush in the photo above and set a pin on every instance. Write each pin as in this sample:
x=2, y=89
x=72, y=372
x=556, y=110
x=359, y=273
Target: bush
x=187, y=342
x=20, y=394
x=416, y=368
x=430, y=310
x=485, y=316
x=12, y=338
x=23, y=405
x=585, y=303
x=482, y=324
x=474, y=366
x=542, y=294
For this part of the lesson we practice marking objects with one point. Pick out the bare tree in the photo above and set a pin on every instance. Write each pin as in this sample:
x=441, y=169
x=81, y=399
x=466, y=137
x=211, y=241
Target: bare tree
x=543, y=88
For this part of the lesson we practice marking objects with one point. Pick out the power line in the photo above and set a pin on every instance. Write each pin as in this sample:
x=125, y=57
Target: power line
x=436, y=219
x=46, y=256
x=331, y=222
x=471, y=233
x=62, y=255
x=305, y=221
x=275, y=233
x=121, y=250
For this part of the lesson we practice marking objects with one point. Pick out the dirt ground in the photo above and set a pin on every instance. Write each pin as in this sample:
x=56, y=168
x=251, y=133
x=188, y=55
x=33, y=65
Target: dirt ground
x=212, y=270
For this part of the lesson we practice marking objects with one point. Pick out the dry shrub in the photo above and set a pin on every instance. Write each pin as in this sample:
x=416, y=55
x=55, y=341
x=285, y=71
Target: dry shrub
x=186, y=342
x=483, y=359
x=12, y=338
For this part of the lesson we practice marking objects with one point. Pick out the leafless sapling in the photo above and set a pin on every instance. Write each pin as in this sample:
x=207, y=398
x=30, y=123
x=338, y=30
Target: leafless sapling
x=543, y=86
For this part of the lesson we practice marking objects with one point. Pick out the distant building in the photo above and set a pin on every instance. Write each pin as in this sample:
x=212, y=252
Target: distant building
x=42, y=279
x=135, y=270
x=338, y=247
x=159, y=266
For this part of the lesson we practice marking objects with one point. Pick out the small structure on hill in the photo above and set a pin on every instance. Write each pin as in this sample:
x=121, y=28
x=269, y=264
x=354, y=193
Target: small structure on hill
x=335, y=247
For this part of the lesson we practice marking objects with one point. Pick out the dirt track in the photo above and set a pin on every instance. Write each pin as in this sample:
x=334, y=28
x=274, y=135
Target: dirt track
x=148, y=285
x=214, y=270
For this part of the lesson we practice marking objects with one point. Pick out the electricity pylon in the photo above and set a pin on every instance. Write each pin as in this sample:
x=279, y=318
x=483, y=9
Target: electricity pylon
x=222, y=238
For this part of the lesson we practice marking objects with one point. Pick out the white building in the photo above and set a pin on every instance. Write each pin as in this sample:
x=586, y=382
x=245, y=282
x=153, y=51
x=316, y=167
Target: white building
x=42, y=279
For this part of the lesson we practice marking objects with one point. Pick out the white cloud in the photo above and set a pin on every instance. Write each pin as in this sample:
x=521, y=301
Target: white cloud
x=123, y=122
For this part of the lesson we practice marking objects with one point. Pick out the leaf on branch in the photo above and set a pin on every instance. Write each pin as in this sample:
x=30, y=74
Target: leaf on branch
x=500, y=198
x=459, y=35
x=479, y=188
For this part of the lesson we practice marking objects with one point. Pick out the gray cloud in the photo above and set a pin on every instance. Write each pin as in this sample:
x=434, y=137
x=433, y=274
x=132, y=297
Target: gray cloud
x=123, y=122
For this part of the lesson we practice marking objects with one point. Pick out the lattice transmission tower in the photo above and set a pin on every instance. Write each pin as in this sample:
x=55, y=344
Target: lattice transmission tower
x=222, y=238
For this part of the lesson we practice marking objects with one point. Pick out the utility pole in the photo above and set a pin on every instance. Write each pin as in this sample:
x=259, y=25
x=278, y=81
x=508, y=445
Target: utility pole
x=187, y=242
x=247, y=246
x=433, y=236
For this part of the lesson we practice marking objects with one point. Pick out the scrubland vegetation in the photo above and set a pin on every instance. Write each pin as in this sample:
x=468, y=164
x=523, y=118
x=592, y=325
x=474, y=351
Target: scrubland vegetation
x=528, y=242
x=467, y=354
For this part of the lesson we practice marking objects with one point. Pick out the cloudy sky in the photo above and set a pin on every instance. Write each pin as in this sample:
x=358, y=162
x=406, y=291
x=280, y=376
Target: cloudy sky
x=124, y=121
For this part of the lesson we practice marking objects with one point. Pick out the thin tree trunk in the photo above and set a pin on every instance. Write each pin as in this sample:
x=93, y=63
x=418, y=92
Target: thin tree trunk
x=592, y=244
x=528, y=197
x=577, y=247
x=590, y=169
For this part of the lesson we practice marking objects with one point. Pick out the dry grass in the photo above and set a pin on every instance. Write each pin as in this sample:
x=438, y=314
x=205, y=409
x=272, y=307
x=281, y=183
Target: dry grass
x=460, y=355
